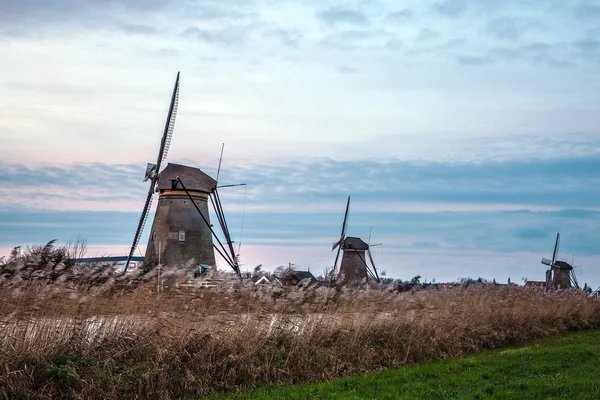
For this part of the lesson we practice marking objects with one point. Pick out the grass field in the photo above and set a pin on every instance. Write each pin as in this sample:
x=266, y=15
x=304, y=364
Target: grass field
x=563, y=367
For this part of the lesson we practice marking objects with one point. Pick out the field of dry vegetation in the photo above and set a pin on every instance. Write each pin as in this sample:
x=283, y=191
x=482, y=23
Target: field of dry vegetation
x=80, y=342
x=71, y=332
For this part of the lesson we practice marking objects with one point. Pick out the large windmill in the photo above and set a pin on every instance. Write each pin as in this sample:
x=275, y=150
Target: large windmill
x=561, y=274
x=181, y=235
x=354, y=267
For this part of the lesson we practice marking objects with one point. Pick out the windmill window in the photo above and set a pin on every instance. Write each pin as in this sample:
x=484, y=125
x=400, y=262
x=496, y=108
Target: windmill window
x=153, y=235
x=181, y=236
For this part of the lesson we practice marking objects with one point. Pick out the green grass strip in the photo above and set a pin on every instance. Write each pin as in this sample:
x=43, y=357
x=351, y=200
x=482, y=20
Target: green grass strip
x=563, y=367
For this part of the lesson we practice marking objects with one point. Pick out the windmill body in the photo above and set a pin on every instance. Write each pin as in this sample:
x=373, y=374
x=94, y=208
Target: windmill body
x=179, y=232
x=560, y=274
x=354, y=267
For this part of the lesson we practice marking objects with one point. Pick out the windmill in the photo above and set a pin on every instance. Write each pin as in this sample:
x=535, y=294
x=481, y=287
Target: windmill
x=560, y=274
x=353, y=267
x=181, y=235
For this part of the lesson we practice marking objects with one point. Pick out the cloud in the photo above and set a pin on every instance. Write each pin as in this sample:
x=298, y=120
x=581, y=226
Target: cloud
x=425, y=245
x=448, y=47
x=342, y=69
x=427, y=34
x=335, y=16
x=139, y=29
x=168, y=52
x=220, y=11
x=393, y=185
x=532, y=233
x=450, y=8
x=287, y=37
x=231, y=36
x=394, y=44
x=25, y=17
x=472, y=60
x=508, y=29
x=588, y=45
x=360, y=39
x=136, y=17
x=401, y=16
x=537, y=53
x=587, y=11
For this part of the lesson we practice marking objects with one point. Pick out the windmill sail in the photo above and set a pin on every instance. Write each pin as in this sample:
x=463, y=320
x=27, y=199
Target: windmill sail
x=150, y=171
x=545, y=261
x=140, y=228
x=573, y=279
x=555, y=253
x=153, y=170
x=169, y=125
x=339, y=243
x=373, y=264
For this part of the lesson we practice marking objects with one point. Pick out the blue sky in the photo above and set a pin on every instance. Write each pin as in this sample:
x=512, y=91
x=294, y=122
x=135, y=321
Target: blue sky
x=466, y=132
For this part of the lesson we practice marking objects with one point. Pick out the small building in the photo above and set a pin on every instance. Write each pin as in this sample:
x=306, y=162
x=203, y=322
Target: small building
x=267, y=280
x=295, y=277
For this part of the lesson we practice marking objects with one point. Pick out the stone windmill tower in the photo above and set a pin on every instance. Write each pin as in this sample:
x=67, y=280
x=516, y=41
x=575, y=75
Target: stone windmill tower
x=354, y=267
x=181, y=235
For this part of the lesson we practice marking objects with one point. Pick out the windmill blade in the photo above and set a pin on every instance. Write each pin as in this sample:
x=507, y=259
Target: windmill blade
x=545, y=261
x=150, y=171
x=556, y=248
x=140, y=227
x=373, y=264
x=169, y=126
x=220, y=159
x=337, y=256
x=573, y=278
x=338, y=244
x=344, y=227
x=345, y=224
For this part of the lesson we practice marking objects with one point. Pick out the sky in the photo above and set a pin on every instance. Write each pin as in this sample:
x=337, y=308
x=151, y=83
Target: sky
x=467, y=133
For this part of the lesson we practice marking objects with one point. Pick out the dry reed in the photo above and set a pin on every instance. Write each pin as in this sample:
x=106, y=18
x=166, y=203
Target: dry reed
x=57, y=341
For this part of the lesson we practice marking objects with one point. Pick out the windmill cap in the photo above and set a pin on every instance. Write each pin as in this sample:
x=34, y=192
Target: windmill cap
x=563, y=265
x=192, y=178
x=355, y=243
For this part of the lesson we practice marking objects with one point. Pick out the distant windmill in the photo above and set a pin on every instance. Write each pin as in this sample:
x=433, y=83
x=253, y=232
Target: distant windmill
x=353, y=267
x=181, y=235
x=561, y=274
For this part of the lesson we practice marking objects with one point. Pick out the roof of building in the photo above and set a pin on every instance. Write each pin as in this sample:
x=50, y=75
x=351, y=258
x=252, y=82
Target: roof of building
x=261, y=280
x=355, y=243
x=298, y=276
x=193, y=178
x=563, y=265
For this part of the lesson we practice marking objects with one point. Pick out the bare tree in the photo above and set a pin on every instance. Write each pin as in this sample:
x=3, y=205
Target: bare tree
x=76, y=249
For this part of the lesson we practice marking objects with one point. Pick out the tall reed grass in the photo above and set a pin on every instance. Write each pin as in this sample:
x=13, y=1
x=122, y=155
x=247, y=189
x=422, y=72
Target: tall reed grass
x=68, y=342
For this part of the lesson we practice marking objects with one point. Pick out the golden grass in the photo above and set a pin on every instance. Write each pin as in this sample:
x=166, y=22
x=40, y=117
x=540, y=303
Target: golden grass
x=85, y=343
